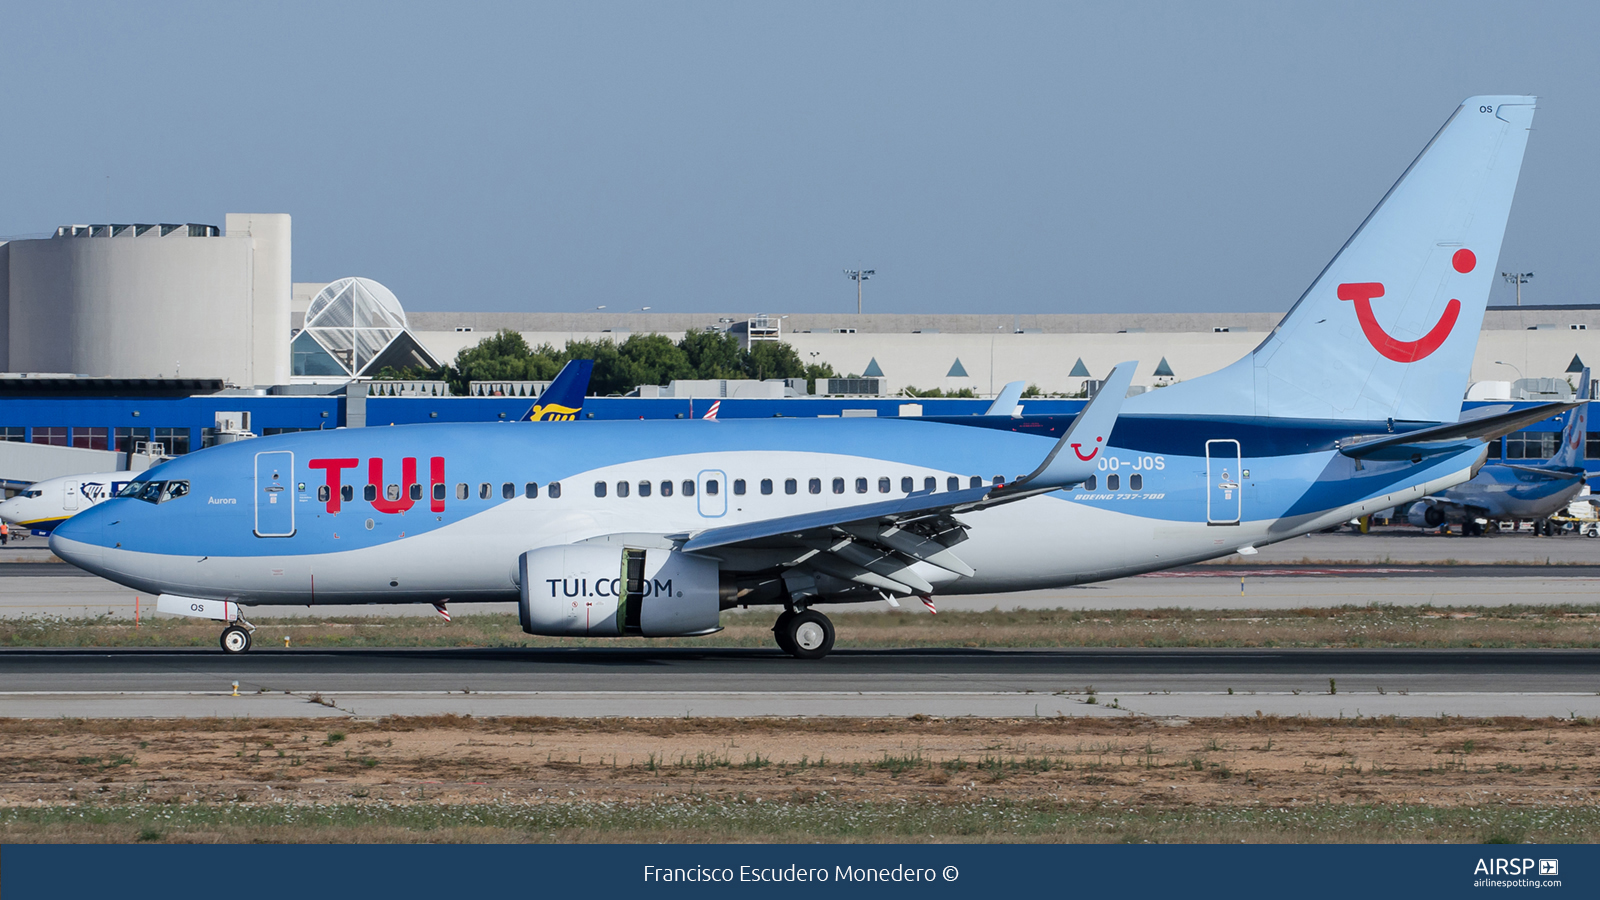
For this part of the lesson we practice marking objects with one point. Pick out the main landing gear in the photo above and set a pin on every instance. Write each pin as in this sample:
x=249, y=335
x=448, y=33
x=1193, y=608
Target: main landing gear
x=806, y=634
x=236, y=639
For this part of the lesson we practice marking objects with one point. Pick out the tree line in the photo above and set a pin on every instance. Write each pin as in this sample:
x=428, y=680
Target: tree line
x=620, y=367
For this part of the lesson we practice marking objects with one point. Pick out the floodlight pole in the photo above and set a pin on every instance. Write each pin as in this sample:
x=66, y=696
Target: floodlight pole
x=1519, y=279
x=858, y=276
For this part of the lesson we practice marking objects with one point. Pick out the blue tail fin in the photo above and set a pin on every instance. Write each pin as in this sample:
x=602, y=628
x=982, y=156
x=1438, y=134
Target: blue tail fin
x=1389, y=329
x=1570, y=454
x=563, y=399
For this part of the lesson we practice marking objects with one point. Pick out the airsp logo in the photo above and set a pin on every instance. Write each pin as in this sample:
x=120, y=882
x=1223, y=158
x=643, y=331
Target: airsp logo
x=1514, y=866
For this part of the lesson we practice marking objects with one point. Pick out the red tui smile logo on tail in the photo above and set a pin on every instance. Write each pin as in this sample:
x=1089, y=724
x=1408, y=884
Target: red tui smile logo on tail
x=1363, y=294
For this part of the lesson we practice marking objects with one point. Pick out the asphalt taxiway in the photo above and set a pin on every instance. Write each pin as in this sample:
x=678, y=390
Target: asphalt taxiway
x=740, y=683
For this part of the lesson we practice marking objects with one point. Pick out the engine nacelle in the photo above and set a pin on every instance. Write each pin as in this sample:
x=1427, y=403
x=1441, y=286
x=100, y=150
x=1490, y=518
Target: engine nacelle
x=593, y=590
x=1427, y=515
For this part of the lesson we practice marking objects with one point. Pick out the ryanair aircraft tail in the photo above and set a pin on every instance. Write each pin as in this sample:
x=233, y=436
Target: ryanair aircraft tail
x=1390, y=326
x=563, y=399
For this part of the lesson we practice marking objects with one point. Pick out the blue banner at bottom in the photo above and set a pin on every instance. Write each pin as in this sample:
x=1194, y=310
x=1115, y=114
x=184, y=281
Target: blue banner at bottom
x=65, y=872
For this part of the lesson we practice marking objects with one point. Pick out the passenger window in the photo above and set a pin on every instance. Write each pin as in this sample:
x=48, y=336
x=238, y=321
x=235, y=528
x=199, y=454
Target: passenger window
x=622, y=489
x=908, y=484
x=883, y=485
x=1113, y=482
x=930, y=484
x=688, y=487
x=814, y=485
x=711, y=485
x=790, y=486
x=461, y=490
x=1135, y=482
x=952, y=483
x=507, y=491
x=438, y=490
x=531, y=490
x=644, y=488
x=554, y=488
x=485, y=490
x=738, y=486
x=346, y=493
x=323, y=494
x=599, y=488
x=998, y=480
x=838, y=485
x=369, y=493
x=1089, y=484
x=977, y=481
x=766, y=485
x=392, y=492
x=666, y=489
x=861, y=486
x=416, y=492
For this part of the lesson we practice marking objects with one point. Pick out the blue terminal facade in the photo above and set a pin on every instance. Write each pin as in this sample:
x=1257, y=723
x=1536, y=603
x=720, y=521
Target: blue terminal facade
x=186, y=423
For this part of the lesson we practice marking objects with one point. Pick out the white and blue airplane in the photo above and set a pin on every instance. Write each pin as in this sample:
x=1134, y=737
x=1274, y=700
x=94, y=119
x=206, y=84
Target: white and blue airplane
x=1536, y=489
x=653, y=528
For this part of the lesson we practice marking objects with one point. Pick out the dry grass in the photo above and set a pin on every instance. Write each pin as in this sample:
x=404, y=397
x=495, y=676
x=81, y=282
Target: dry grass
x=452, y=778
x=1347, y=626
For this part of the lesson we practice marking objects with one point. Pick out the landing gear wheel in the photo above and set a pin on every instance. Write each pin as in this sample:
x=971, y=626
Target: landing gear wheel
x=235, y=639
x=780, y=631
x=808, y=635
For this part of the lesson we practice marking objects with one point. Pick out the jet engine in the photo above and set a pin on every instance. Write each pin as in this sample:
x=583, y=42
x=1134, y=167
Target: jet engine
x=595, y=590
x=1426, y=515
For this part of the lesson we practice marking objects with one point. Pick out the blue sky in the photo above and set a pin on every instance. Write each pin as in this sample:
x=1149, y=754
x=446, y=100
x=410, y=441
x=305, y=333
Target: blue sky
x=697, y=157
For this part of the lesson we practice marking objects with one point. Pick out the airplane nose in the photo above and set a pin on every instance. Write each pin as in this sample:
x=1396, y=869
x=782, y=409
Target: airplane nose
x=77, y=541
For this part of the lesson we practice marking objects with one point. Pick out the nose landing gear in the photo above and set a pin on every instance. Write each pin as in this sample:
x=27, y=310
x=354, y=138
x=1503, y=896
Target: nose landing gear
x=236, y=639
x=804, y=635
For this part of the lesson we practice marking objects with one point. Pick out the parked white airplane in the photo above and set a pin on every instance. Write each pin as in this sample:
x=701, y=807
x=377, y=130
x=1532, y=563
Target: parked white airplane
x=653, y=527
x=43, y=505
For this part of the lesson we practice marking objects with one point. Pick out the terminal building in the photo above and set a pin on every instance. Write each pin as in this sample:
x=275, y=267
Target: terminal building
x=119, y=339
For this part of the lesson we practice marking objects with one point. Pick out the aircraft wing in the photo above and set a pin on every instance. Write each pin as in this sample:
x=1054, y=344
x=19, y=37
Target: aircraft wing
x=1552, y=472
x=876, y=544
x=1451, y=436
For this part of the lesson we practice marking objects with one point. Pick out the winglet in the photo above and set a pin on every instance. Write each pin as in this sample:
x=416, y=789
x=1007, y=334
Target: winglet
x=1005, y=404
x=1091, y=429
x=563, y=399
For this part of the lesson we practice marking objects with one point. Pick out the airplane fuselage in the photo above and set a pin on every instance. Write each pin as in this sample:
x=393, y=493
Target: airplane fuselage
x=433, y=512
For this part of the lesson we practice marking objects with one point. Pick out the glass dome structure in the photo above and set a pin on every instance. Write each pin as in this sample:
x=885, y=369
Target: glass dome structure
x=356, y=327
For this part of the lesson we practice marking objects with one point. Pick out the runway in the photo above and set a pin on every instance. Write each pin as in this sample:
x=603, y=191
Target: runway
x=1170, y=684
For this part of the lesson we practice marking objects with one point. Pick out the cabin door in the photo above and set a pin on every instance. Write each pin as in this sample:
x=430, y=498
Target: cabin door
x=712, y=493
x=1224, y=499
x=273, y=498
x=69, y=499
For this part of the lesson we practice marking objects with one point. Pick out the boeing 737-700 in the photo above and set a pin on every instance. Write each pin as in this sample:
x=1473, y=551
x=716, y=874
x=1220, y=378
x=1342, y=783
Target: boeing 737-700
x=654, y=528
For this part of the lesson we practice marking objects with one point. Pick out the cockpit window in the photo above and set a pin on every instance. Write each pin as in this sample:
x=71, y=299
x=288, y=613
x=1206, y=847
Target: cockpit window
x=155, y=491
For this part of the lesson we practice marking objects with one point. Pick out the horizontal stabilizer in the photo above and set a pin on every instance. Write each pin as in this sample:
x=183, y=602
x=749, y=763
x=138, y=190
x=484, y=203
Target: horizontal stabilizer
x=1442, y=438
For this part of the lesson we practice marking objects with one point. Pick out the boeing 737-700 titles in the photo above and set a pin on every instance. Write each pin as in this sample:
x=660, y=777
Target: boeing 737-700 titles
x=654, y=528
